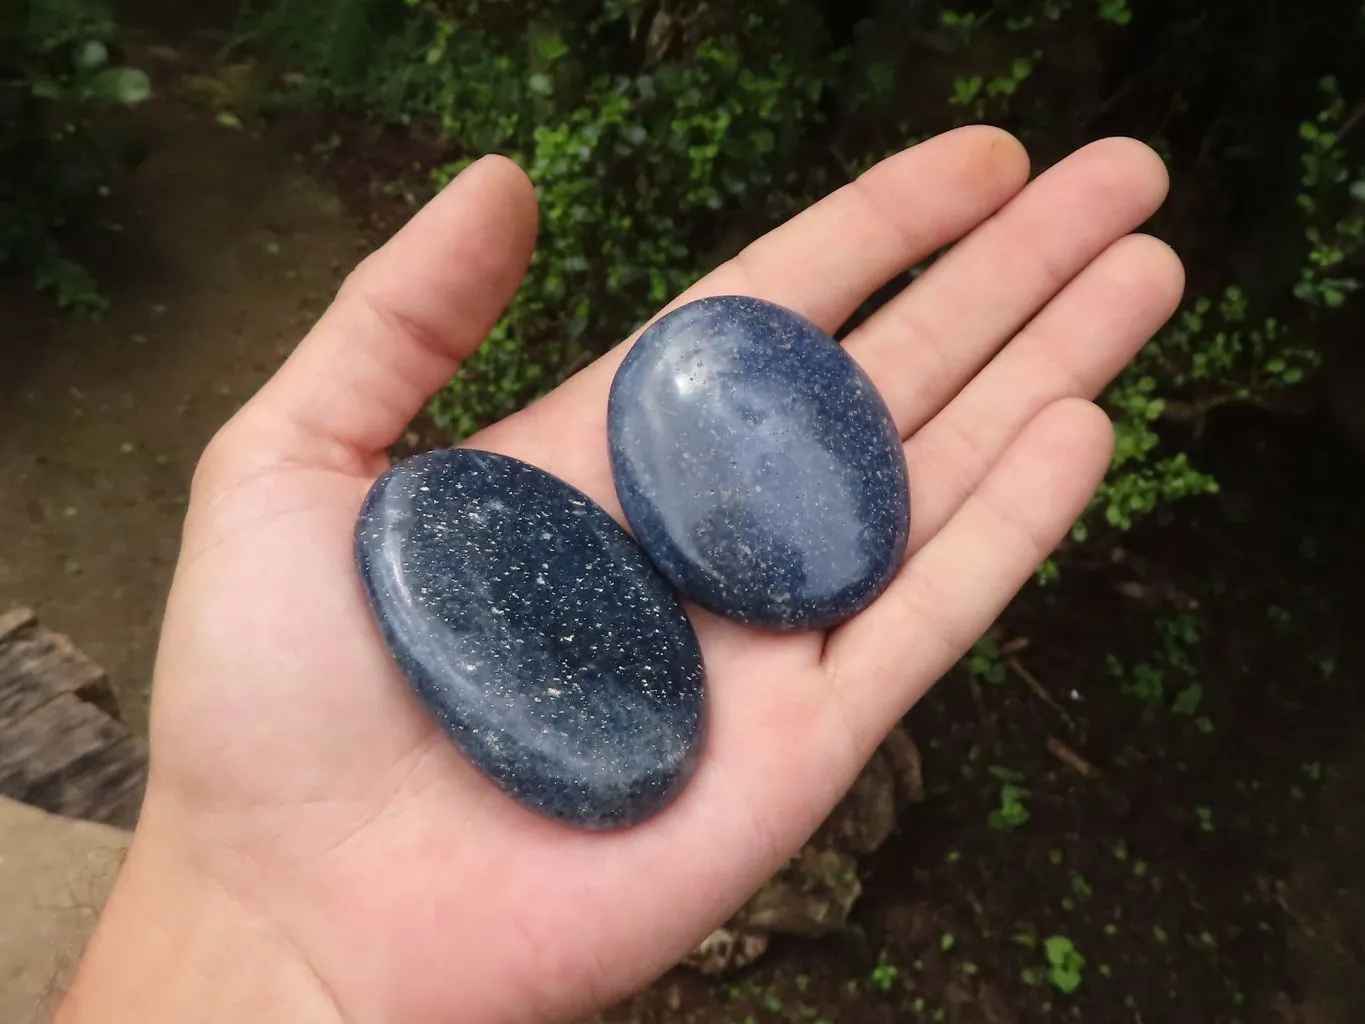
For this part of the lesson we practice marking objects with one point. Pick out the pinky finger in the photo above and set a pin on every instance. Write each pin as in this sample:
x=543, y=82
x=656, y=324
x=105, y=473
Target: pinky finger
x=881, y=662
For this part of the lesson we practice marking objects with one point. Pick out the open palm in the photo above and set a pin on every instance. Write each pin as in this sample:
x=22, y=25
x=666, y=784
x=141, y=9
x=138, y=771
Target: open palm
x=291, y=761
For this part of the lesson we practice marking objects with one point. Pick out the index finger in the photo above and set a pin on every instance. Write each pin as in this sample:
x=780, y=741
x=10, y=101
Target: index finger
x=823, y=263
x=400, y=326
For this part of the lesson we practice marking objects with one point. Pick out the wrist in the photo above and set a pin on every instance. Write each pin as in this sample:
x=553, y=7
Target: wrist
x=173, y=944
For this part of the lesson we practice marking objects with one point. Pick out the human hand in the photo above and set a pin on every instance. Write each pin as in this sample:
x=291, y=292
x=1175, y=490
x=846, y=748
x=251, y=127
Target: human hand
x=312, y=847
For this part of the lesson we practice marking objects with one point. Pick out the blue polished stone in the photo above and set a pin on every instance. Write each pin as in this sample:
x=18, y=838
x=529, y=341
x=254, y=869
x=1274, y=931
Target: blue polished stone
x=757, y=464
x=537, y=633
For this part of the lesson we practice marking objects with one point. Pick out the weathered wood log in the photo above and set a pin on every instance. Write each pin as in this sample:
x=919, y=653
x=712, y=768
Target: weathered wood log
x=62, y=747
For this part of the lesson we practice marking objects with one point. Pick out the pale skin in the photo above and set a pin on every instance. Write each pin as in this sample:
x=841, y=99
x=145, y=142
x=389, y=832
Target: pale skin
x=312, y=849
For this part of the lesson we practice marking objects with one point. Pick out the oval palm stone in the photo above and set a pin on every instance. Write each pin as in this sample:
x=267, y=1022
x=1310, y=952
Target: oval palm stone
x=758, y=465
x=536, y=631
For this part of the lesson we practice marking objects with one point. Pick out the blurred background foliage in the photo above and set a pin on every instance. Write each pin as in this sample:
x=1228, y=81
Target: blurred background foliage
x=662, y=135
x=60, y=80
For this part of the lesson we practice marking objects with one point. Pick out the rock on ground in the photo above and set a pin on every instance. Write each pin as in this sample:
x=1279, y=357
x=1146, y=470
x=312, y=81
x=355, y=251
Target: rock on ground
x=55, y=874
x=815, y=891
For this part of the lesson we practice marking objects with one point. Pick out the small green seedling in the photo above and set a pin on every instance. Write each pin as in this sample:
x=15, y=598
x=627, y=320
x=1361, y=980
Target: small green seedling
x=1012, y=812
x=884, y=975
x=1187, y=700
x=984, y=661
x=1065, y=963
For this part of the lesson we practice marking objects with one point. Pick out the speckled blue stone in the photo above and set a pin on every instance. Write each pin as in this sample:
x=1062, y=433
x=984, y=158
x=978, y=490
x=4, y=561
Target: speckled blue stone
x=537, y=633
x=758, y=465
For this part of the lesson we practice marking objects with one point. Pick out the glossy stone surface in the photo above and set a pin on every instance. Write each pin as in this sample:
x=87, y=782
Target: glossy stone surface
x=758, y=465
x=537, y=633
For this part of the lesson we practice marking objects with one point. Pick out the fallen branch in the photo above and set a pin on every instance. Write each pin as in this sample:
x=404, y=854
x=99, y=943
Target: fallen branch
x=1065, y=754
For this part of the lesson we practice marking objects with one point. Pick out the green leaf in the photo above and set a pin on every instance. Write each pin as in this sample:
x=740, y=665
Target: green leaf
x=92, y=54
x=1187, y=700
x=1058, y=948
x=46, y=89
x=124, y=86
x=550, y=47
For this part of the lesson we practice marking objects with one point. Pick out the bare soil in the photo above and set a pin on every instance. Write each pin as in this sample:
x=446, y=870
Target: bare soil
x=217, y=254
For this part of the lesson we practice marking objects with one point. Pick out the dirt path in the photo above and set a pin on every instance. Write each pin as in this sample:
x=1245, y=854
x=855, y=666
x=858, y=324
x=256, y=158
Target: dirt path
x=228, y=251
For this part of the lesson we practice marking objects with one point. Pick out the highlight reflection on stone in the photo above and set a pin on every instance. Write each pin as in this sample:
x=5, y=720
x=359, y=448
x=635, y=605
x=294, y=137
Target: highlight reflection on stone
x=537, y=633
x=758, y=465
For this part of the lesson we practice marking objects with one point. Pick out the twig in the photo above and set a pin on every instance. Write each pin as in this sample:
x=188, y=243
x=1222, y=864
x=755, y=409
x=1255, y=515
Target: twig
x=1099, y=111
x=1161, y=592
x=1352, y=120
x=979, y=699
x=992, y=734
x=1211, y=135
x=579, y=361
x=1063, y=753
x=1195, y=414
x=1009, y=647
x=1037, y=687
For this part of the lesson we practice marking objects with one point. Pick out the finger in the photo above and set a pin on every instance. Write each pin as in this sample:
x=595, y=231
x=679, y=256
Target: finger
x=823, y=263
x=403, y=321
x=924, y=345
x=826, y=261
x=953, y=588
x=1072, y=349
